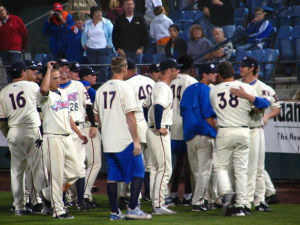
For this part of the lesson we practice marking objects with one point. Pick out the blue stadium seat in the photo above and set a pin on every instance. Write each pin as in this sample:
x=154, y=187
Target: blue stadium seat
x=284, y=18
x=147, y=58
x=295, y=14
x=184, y=35
x=184, y=23
x=283, y=32
x=157, y=58
x=258, y=54
x=271, y=55
x=286, y=49
x=40, y=57
x=240, y=54
x=188, y=14
x=239, y=16
x=199, y=16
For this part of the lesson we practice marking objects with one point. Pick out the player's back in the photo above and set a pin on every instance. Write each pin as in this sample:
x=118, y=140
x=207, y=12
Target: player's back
x=78, y=99
x=231, y=110
x=113, y=100
x=178, y=87
x=19, y=104
x=142, y=88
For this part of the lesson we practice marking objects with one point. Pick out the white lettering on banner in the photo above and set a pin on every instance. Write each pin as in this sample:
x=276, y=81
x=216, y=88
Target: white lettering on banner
x=282, y=133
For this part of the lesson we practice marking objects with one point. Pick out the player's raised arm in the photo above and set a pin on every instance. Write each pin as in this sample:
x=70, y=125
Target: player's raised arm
x=45, y=85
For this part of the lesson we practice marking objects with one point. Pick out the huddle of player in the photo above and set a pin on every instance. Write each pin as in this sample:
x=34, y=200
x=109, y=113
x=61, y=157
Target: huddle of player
x=218, y=130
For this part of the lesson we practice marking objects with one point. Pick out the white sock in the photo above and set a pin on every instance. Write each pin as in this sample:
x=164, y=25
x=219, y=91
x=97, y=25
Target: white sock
x=187, y=196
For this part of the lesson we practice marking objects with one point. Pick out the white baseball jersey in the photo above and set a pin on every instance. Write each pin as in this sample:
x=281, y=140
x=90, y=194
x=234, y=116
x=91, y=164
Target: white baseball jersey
x=262, y=90
x=178, y=86
x=55, y=109
x=274, y=100
x=78, y=99
x=142, y=88
x=162, y=95
x=18, y=103
x=231, y=110
x=113, y=100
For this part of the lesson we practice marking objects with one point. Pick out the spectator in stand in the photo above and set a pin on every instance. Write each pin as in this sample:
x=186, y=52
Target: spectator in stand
x=130, y=34
x=83, y=6
x=224, y=52
x=176, y=46
x=220, y=13
x=198, y=44
x=114, y=10
x=150, y=5
x=72, y=44
x=159, y=28
x=55, y=25
x=97, y=40
x=13, y=38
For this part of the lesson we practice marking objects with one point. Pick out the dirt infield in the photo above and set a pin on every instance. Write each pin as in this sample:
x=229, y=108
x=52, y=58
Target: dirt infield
x=288, y=192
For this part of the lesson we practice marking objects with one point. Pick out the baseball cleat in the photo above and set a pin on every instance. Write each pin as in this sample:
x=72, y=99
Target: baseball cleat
x=238, y=211
x=263, y=207
x=229, y=200
x=65, y=216
x=247, y=211
x=137, y=214
x=198, y=208
x=186, y=202
x=162, y=211
x=116, y=216
x=23, y=212
x=169, y=202
x=272, y=199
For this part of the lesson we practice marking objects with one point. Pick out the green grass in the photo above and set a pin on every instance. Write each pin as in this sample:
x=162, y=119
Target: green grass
x=283, y=214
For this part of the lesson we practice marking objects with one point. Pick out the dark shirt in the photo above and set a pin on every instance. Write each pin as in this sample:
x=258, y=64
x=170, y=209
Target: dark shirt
x=180, y=48
x=130, y=36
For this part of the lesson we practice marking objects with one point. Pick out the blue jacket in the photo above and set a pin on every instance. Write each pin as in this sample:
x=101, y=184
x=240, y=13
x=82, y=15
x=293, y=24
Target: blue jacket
x=57, y=35
x=259, y=31
x=195, y=108
x=107, y=27
x=72, y=45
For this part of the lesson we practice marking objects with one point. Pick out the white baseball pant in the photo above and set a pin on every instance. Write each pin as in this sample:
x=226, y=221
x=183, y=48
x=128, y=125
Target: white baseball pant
x=232, y=145
x=21, y=143
x=161, y=170
x=270, y=189
x=200, y=150
x=59, y=152
x=93, y=162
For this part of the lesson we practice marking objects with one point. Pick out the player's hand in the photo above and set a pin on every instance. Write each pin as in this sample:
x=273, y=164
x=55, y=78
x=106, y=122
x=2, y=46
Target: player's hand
x=84, y=139
x=50, y=65
x=162, y=131
x=139, y=51
x=51, y=12
x=239, y=92
x=137, y=149
x=93, y=132
x=60, y=16
x=217, y=2
x=206, y=11
x=121, y=52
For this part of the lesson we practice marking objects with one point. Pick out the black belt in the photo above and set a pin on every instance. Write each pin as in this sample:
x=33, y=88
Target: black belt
x=234, y=127
x=255, y=127
x=167, y=126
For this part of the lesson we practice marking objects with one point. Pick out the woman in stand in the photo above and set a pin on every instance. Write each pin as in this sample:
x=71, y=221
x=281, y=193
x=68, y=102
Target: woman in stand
x=97, y=41
x=176, y=46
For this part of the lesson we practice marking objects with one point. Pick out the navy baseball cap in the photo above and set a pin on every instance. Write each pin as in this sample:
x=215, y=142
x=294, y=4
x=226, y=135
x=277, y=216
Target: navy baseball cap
x=63, y=62
x=154, y=68
x=207, y=68
x=74, y=66
x=39, y=67
x=30, y=64
x=249, y=62
x=86, y=70
x=169, y=63
x=131, y=64
x=17, y=67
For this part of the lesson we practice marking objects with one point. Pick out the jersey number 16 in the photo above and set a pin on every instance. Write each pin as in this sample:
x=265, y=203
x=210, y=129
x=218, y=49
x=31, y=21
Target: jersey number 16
x=20, y=101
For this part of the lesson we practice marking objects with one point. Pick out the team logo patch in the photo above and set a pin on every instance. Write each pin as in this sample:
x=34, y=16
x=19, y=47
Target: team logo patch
x=73, y=96
x=58, y=105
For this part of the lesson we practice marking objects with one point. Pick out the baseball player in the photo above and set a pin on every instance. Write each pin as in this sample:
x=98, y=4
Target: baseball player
x=74, y=69
x=178, y=145
x=158, y=135
x=58, y=145
x=80, y=105
x=233, y=137
x=154, y=72
x=93, y=148
x=142, y=88
x=18, y=109
x=256, y=165
x=199, y=132
x=115, y=106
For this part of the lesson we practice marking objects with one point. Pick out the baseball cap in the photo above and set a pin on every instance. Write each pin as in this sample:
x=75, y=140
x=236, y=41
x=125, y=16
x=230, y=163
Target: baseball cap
x=207, y=68
x=30, y=64
x=57, y=7
x=131, y=64
x=86, y=70
x=249, y=62
x=17, y=67
x=63, y=62
x=74, y=66
x=39, y=67
x=154, y=68
x=169, y=63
